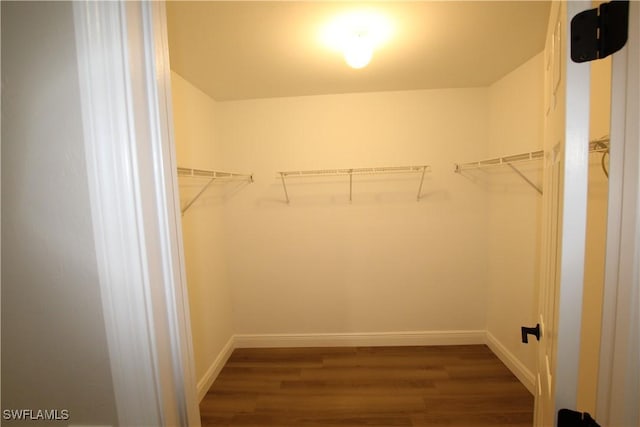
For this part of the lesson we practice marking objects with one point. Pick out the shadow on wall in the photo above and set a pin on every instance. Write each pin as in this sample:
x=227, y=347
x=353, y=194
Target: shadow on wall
x=216, y=195
x=504, y=180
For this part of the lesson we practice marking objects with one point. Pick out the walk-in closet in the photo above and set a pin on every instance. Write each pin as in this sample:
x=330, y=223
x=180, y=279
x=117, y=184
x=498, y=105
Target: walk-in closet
x=368, y=213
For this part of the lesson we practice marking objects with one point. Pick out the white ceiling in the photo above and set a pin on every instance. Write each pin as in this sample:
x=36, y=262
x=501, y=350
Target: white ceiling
x=243, y=50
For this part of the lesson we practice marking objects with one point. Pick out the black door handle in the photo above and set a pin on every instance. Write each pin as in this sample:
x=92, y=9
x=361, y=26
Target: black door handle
x=530, y=331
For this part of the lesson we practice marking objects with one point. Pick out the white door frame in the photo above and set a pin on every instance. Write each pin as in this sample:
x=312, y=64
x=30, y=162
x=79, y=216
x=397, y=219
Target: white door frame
x=574, y=221
x=565, y=218
x=126, y=110
x=619, y=371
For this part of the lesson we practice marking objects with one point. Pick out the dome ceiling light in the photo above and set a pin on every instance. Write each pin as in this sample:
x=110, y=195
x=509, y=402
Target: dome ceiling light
x=357, y=35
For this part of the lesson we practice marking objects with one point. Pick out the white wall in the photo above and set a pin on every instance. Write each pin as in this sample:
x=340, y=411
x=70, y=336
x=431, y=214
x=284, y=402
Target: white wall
x=197, y=146
x=54, y=348
x=516, y=111
x=384, y=263
x=462, y=258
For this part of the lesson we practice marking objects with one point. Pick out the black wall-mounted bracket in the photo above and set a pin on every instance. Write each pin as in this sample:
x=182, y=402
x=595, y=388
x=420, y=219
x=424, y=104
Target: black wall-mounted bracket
x=597, y=33
x=569, y=418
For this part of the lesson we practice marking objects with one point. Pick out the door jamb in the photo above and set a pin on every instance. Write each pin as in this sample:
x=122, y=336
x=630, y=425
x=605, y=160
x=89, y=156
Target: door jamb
x=619, y=370
x=574, y=219
x=126, y=109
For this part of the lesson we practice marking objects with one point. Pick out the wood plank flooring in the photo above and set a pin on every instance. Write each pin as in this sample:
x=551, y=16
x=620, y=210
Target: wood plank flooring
x=453, y=386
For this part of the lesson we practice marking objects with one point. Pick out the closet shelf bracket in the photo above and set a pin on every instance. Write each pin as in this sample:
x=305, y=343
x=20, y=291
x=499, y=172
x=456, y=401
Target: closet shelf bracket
x=422, y=169
x=284, y=185
x=505, y=161
x=211, y=176
x=527, y=180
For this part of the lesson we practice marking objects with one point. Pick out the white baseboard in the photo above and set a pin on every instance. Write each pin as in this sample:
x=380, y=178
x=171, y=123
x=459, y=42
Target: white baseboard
x=204, y=384
x=361, y=339
x=518, y=369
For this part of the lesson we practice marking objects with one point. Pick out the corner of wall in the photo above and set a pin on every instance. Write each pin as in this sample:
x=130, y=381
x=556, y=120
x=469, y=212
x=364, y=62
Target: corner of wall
x=205, y=383
x=524, y=374
x=196, y=139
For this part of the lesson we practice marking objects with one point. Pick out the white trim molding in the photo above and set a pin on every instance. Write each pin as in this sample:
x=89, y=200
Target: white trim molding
x=404, y=338
x=204, y=384
x=124, y=90
x=526, y=377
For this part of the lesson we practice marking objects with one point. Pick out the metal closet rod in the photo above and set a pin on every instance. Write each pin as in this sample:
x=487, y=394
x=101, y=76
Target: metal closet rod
x=422, y=169
x=212, y=176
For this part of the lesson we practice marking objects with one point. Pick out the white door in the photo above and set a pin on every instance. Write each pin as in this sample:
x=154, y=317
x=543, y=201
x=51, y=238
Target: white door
x=566, y=147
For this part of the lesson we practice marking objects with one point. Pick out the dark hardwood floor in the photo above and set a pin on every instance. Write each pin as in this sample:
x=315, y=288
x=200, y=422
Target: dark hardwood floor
x=453, y=386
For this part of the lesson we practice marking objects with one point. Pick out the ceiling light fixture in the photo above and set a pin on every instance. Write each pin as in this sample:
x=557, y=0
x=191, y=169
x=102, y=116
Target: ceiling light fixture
x=358, y=51
x=356, y=35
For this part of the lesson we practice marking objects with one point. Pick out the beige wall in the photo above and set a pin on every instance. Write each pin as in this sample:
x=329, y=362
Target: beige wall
x=196, y=135
x=596, y=239
x=384, y=262
x=54, y=345
x=516, y=111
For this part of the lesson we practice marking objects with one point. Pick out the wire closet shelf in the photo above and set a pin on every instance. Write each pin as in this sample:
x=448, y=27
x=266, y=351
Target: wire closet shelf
x=211, y=176
x=499, y=161
x=600, y=145
x=350, y=172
